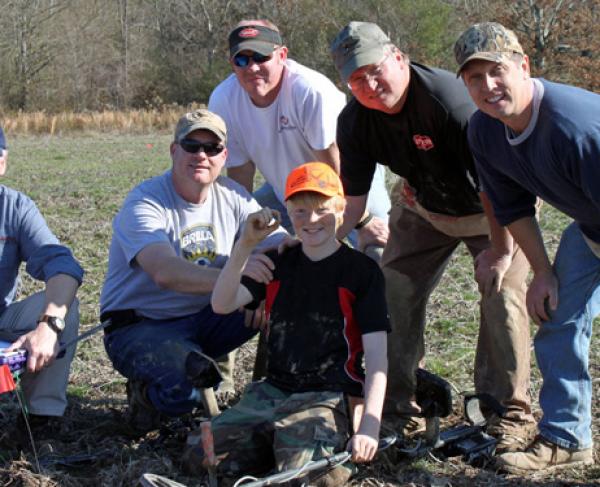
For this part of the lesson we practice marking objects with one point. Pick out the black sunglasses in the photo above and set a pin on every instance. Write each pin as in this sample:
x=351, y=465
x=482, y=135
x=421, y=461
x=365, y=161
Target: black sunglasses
x=194, y=146
x=243, y=60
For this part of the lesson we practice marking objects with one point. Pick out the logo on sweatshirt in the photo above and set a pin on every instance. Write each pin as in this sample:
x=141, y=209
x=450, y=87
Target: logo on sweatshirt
x=423, y=142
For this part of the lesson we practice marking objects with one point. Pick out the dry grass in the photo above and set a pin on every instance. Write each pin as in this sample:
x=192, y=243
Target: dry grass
x=141, y=121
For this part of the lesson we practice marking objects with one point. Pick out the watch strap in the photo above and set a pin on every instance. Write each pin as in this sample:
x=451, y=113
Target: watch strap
x=52, y=323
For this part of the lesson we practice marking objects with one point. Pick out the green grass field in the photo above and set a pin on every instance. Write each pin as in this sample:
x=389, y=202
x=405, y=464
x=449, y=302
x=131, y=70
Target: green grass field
x=78, y=184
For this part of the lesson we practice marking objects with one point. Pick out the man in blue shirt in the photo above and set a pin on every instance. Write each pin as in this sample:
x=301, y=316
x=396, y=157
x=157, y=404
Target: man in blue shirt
x=532, y=138
x=39, y=322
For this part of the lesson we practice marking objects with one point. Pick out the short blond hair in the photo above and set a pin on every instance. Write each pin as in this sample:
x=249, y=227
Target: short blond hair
x=314, y=200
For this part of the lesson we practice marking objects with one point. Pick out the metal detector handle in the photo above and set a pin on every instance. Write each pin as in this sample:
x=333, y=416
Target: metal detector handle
x=332, y=460
x=63, y=346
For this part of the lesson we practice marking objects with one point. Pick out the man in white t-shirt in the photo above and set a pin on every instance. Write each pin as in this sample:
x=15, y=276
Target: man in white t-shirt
x=170, y=240
x=279, y=115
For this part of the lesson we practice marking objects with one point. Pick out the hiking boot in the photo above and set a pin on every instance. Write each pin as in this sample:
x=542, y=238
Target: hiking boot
x=512, y=435
x=142, y=416
x=543, y=455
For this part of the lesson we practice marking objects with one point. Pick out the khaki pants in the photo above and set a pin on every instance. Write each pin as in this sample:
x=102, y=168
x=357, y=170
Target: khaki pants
x=45, y=391
x=413, y=263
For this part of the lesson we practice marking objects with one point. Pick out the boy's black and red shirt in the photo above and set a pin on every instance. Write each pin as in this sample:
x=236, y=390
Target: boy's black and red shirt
x=318, y=312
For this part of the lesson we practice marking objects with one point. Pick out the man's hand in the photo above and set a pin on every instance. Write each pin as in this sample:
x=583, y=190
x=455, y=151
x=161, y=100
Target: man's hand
x=363, y=448
x=543, y=289
x=490, y=268
x=375, y=233
x=259, y=225
x=260, y=268
x=41, y=345
x=287, y=243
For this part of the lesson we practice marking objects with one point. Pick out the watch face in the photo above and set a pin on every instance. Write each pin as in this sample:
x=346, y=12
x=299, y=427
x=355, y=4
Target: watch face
x=56, y=323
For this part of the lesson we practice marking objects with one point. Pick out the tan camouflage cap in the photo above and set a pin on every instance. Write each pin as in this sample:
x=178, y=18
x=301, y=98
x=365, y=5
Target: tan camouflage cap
x=357, y=45
x=489, y=41
x=200, y=119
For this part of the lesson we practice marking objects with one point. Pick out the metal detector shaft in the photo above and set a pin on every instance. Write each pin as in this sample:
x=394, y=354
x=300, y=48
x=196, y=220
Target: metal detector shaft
x=330, y=461
x=83, y=336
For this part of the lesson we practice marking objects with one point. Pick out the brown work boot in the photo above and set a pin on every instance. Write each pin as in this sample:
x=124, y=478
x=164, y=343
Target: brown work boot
x=142, y=417
x=512, y=435
x=543, y=455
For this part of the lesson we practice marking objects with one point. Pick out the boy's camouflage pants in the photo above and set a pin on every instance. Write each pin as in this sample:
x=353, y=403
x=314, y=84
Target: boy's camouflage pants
x=270, y=429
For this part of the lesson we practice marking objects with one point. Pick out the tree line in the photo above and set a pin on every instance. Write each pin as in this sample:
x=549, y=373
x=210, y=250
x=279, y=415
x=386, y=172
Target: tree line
x=80, y=55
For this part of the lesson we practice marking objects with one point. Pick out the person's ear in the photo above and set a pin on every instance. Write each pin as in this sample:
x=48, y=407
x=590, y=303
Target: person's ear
x=526, y=66
x=282, y=52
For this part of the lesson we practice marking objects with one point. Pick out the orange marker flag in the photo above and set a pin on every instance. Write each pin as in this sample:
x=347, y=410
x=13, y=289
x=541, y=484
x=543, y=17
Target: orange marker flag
x=7, y=383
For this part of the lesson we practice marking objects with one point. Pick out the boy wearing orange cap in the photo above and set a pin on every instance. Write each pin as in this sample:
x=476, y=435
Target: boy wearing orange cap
x=326, y=307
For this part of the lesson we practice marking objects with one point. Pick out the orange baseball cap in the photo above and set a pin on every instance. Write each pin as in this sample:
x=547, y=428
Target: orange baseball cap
x=314, y=176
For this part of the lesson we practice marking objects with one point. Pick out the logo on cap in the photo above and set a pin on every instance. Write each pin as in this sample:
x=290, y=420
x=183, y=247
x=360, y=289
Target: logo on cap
x=248, y=32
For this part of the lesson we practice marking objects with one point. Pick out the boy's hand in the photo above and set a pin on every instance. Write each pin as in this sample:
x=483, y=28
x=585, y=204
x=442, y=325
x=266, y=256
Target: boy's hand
x=363, y=448
x=259, y=225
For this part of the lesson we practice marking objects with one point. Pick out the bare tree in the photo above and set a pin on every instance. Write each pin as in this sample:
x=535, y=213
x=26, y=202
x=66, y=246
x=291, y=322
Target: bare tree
x=26, y=43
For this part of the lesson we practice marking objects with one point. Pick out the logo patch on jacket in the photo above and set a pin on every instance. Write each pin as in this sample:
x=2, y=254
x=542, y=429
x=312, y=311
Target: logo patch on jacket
x=423, y=142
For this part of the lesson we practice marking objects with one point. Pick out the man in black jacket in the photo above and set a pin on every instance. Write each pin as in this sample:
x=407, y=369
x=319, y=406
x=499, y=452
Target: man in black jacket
x=413, y=119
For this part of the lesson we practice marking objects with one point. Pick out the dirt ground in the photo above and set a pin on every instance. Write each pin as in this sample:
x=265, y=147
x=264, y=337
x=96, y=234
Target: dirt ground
x=92, y=448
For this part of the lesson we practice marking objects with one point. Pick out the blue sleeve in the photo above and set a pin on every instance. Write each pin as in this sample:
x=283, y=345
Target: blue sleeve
x=2, y=139
x=40, y=249
x=588, y=155
x=510, y=200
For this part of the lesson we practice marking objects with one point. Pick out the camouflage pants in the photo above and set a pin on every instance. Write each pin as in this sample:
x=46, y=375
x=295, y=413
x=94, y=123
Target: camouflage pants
x=270, y=429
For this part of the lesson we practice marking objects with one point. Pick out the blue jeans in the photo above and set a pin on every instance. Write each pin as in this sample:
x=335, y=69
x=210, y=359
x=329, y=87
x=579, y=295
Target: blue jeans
x=155, y=352
x=378, y=202
x=562, y=345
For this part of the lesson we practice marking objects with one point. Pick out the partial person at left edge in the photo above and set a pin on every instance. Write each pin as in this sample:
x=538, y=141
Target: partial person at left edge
x=40, y=322
x=170, y=240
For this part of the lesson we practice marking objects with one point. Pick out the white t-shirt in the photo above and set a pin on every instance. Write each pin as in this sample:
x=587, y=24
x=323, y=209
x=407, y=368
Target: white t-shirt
x=282, y=136
x=204, y=233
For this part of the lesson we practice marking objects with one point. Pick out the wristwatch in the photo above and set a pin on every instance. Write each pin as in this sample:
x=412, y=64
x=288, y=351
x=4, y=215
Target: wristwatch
x=54, y=322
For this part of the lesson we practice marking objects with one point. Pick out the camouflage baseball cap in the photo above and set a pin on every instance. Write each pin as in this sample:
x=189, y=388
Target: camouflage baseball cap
x=357, y=45
x=489, y=41
x=201, y=119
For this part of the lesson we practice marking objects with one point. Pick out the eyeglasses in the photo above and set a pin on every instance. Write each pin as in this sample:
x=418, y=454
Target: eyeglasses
x=194, y=146
x=360, y=81
x=243, y=60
